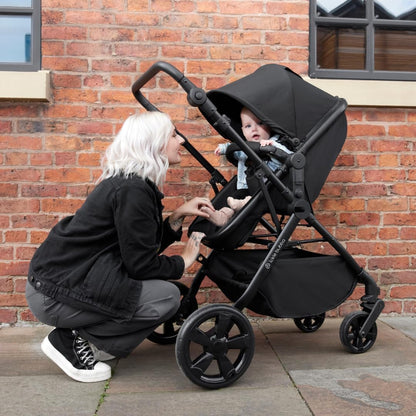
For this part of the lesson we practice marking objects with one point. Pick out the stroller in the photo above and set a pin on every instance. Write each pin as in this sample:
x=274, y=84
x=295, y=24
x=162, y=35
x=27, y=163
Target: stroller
x=277, y=277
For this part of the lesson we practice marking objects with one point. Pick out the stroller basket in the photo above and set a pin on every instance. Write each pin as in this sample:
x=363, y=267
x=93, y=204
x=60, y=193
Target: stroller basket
x=300, y=283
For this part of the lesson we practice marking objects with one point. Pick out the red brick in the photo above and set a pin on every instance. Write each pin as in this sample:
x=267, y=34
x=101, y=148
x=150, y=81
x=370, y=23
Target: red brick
x=13, y=300
x=6, y=284
x=27, y=316
x=403, y=292
x=61, y=205
x=396, y=277
x=387, y=263
x=403, y=131
x=360, y=130
x=8, y=190
x=392, y=307
x=8, y=316
x=15, y=236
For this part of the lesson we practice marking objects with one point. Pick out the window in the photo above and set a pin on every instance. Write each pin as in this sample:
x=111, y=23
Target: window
x=363, y=39
x=19, y=35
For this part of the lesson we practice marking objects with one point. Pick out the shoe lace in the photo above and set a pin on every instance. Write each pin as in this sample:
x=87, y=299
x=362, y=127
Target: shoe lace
x=84, y=351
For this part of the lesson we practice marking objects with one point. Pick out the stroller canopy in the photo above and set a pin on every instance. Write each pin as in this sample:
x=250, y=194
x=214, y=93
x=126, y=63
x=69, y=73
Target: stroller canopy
x=278, y=97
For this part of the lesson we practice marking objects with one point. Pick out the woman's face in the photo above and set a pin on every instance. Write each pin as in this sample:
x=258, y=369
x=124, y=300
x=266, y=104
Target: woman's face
x=173, y=148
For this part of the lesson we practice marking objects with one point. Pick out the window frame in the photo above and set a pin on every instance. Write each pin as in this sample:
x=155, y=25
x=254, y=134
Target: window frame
x=369, y=23
x=35, y=13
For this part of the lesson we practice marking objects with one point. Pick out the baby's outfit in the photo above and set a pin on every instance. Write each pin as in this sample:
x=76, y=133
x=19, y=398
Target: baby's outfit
x=222, y=216
x=241, y=157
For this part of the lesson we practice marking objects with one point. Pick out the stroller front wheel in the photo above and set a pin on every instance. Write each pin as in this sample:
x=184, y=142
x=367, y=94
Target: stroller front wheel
x=215, y=346
x=350, y=333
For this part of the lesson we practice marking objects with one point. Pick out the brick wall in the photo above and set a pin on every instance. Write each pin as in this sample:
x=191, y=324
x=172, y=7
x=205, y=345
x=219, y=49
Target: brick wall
x=51, y=151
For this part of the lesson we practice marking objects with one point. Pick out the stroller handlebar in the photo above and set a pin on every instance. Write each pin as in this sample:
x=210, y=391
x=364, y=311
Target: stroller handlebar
x=194, y=93
x=152, y=71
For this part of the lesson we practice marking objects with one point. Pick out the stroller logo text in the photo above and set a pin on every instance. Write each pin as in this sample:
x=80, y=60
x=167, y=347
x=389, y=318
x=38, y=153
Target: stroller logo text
x=275, y=253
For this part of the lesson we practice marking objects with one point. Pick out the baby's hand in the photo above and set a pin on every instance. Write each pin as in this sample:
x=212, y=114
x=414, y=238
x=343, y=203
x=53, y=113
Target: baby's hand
x=266, y=142
x=217, y=151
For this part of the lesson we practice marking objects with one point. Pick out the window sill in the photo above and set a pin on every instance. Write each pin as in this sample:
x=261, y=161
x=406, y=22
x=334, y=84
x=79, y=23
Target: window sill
x=370, y=93
x=22, y=86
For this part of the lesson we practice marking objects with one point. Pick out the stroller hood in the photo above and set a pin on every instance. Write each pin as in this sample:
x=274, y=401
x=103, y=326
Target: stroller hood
x=278, y=97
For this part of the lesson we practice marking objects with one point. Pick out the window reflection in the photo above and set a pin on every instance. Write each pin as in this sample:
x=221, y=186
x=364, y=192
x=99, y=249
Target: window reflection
x=340, y=48
x=341, y=8
x=394, y=50
x=16, y=3
x=383, y=9
x=15, y=39
x=395, y=9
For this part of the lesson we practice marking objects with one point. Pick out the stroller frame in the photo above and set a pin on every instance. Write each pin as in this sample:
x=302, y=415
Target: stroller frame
x=228, y=328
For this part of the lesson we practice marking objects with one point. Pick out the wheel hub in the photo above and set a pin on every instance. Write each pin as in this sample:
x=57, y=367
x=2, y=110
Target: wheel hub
x=218, y=345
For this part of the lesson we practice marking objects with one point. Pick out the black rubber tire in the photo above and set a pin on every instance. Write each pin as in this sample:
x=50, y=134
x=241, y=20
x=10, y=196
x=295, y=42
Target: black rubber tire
x=166, y=333
x=215, y=346
x=310, y=323
x=349, y=333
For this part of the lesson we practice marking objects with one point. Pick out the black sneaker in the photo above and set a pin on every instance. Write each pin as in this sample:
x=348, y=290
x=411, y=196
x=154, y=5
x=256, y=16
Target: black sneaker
x=74, y=356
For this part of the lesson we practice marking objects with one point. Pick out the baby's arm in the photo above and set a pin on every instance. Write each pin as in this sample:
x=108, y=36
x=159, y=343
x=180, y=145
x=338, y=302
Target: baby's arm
x=221, y=149
x=271, y=142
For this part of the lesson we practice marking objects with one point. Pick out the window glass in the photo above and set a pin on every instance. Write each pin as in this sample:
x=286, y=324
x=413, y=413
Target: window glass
x=394, y=50
x=15, y=3
x=340, y=48
x=15, y=38
x=363, y=39
x=341, y=8
x=395, y=9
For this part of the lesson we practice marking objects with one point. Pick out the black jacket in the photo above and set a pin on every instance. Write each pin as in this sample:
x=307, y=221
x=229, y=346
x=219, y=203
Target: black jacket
x=96, y=258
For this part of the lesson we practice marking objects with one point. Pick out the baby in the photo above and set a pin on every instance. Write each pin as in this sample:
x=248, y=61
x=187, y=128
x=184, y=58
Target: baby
x=254, y=130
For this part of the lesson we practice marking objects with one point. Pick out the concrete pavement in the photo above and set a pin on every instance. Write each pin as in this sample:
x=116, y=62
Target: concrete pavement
x=292, y=373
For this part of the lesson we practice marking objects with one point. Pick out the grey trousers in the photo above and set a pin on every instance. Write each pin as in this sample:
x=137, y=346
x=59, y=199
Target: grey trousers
x=159, y=300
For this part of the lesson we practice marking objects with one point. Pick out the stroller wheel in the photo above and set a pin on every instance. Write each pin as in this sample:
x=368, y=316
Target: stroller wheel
x=215, y=346
x=310, y=323
x=167, y=332
x=350, y=336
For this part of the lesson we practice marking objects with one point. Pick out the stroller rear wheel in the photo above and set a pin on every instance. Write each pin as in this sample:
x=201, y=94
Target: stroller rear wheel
x=166, y=333
x=215, y=346
x=350, y=333
x=310, y=323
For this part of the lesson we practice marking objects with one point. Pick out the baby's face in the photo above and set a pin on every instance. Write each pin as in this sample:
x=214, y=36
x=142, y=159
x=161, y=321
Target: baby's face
x=253, y=129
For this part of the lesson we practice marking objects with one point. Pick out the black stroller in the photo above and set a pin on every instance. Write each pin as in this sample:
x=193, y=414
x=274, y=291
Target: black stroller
x=215, y=344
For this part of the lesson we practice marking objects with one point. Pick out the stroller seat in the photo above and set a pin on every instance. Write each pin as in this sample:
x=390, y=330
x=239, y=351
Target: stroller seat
x=240, y=227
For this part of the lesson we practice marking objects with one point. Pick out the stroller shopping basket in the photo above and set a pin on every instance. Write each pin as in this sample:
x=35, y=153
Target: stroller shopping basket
x=300, y=283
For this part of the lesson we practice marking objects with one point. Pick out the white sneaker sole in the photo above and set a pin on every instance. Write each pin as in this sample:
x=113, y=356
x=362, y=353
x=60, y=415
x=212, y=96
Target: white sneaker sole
x=101, y=370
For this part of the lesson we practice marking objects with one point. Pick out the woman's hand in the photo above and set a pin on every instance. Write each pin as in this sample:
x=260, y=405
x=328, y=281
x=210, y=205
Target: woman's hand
x=191, y=251
x=192, y=207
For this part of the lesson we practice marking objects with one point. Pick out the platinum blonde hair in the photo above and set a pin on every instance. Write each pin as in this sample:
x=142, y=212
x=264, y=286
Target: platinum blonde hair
x=140, y=148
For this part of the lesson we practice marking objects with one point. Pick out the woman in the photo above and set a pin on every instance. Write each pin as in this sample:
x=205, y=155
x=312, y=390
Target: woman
x=99, y=277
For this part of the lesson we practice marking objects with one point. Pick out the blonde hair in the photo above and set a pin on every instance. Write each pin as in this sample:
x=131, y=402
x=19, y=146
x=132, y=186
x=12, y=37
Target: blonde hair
x=140, y=148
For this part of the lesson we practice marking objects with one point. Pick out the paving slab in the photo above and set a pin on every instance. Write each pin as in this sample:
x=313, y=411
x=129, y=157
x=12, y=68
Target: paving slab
x=31, y=384
x=332, y=381
x=292, y=374
x=150, y=382
x=405, y=324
